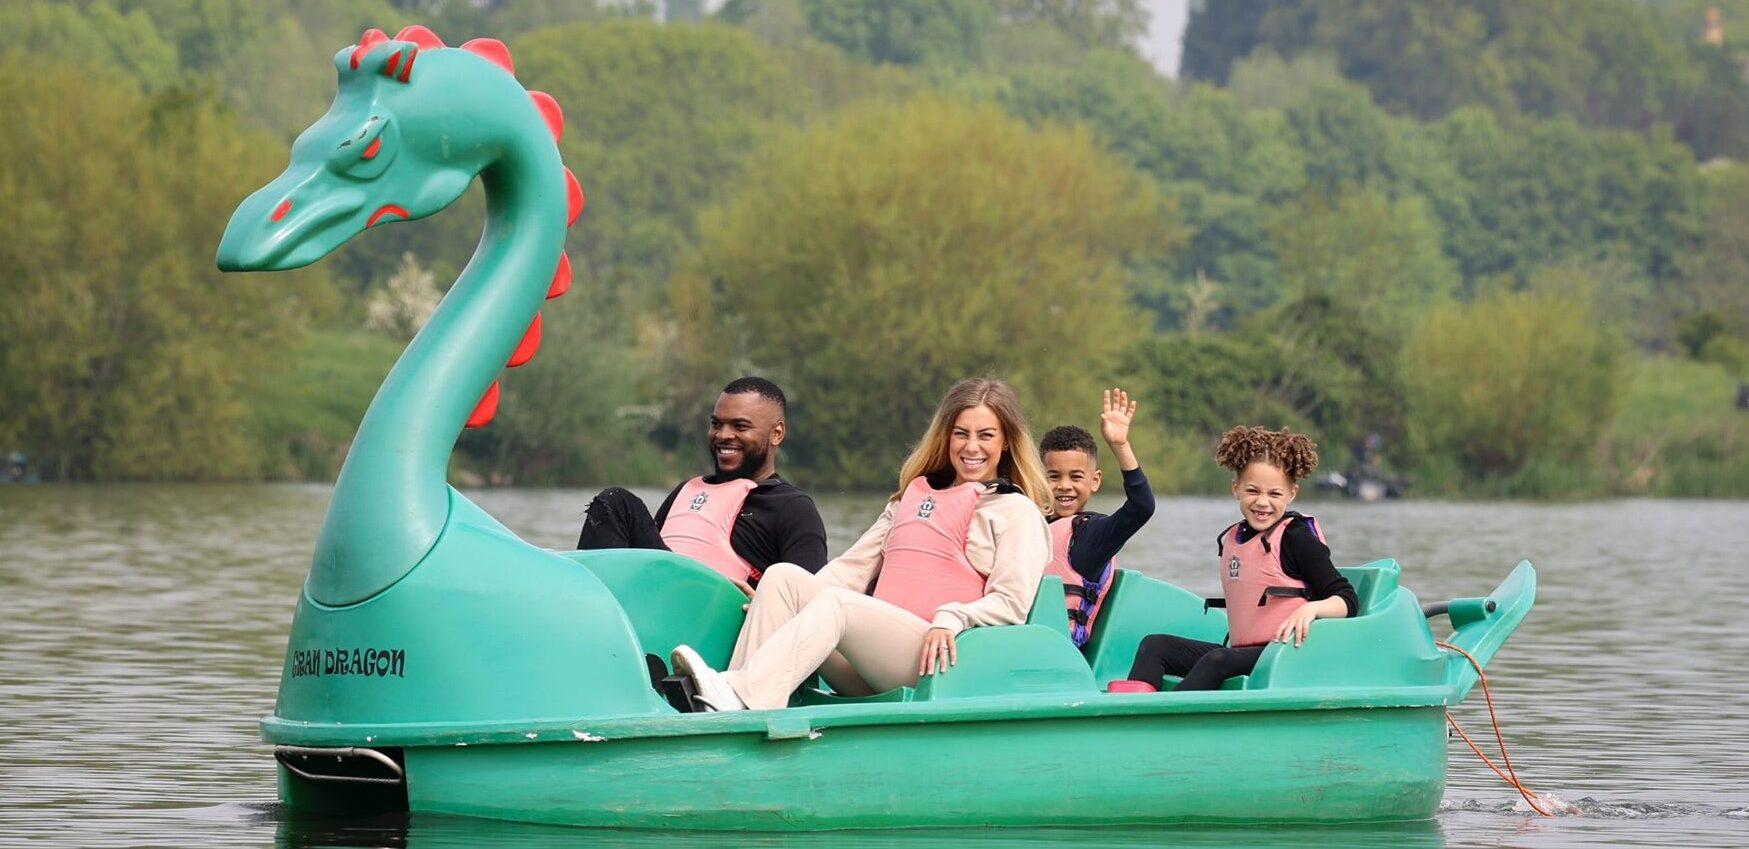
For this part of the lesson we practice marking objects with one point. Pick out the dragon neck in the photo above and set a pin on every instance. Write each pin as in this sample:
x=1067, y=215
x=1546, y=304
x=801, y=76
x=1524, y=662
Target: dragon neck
x=392, y=500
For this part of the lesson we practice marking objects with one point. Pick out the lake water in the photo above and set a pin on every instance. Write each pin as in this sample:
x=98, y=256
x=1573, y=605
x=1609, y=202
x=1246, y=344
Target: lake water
x=142, y=630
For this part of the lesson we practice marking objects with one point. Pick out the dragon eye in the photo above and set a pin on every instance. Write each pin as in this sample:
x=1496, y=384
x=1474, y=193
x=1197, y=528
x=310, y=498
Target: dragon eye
x=367, y=153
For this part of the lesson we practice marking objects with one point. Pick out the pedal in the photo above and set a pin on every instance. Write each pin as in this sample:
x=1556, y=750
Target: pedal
x=678, y=690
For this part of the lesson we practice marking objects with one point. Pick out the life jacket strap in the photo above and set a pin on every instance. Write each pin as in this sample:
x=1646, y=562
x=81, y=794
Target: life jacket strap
x=1084, y=592
x=1280, y=592
x=1213, y=602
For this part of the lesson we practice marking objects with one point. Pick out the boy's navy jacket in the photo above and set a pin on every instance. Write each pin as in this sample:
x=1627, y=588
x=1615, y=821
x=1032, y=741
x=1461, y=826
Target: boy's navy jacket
x=1101, y=537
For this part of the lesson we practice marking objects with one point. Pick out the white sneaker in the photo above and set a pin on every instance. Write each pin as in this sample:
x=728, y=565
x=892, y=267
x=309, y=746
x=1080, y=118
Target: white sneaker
x=709, y=686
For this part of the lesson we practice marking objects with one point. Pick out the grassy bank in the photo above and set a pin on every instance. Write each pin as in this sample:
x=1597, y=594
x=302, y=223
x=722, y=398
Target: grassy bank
x=1678, y=434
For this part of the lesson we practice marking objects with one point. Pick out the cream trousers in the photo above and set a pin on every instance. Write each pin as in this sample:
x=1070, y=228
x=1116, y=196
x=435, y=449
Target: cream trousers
x=798, y=625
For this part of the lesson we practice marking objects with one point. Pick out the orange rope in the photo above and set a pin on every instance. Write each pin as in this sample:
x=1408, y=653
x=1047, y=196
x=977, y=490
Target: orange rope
x=1509, y=775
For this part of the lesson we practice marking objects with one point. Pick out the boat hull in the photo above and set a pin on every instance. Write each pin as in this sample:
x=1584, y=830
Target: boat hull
x=1336, y=765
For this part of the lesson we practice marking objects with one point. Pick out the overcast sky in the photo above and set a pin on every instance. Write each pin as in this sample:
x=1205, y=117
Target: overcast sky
x=1165, y=29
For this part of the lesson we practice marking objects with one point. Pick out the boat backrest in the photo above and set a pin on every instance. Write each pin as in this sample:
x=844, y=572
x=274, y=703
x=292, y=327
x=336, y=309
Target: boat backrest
x=1387, y=643
x=1373, y=583
x=1048, y=608
x=1009, y=660
x=670, y=600
x=1137, y=606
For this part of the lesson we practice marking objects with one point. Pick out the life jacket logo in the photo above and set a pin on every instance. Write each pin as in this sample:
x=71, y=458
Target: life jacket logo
x=1233, y=568
x=698, y=501
x=926, y=508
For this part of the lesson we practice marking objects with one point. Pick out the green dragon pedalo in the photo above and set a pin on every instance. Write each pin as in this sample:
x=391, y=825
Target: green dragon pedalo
x=437, y=662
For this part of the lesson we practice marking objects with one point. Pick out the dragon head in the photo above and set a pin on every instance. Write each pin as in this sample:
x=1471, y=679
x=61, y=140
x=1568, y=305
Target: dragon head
x=409, y=129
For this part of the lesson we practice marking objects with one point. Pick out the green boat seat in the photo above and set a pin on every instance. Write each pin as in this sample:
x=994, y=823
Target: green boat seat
x=1048, y=608
x=1136, y=606
x=670, y=600
x=1386, y=643
x=1007, y=660
x=1373, y=583
x=808, y=696
x=1002, y=660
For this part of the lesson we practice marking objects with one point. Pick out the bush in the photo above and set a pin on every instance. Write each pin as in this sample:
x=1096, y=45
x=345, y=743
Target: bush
x=1508, y=383
x=871, y=262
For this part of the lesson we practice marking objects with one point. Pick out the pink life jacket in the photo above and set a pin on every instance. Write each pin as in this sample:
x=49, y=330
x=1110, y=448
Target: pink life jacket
x=700, y=520
x=1260, y=596
x=923, y=564
x=1082, y=598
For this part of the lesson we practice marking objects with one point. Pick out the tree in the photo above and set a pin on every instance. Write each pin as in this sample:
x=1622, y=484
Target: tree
x=1610, y=63
x=1377, y=255
x=97, y=34
x=1549, y=191
x=405, y=303
x=121, y=348
x=903, y=32
x=1711, y=279
x=1220, y=33
x=868, y=263
x=659, y=121
x=1091, y=23
x=1512, y=381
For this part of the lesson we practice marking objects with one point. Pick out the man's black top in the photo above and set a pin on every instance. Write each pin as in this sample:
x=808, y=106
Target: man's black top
x=1306, y=558
x=1101, y=537
x=778, y=524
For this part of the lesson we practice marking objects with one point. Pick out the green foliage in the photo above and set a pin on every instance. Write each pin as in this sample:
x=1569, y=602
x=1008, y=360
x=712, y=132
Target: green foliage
x=903, y=32
x=271, y=61
x=1377, y=256
x=1616, y=63
x=1711, y=279
x=121, y=347
x=660, y=120
x=1090, y=23
x=305, y=405
x=869, y=263
x=95, y=34
x=1365, y=162
x=457, y=21
x=1215, y=38
x=571, y=413
x=1513, y=387
x=1677, y=434
x=1205, y=383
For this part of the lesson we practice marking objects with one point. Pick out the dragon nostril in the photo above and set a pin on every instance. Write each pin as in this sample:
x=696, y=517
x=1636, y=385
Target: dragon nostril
x=280, y=211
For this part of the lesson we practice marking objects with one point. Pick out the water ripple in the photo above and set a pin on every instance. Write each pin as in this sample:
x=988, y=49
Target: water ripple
x=144, y=626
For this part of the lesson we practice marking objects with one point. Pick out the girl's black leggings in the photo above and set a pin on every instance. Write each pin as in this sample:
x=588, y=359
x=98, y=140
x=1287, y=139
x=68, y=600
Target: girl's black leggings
x=1203, y=665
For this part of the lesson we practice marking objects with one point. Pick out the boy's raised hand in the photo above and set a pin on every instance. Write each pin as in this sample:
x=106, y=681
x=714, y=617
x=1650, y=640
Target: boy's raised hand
x=1114, y=419
x=1117, y=411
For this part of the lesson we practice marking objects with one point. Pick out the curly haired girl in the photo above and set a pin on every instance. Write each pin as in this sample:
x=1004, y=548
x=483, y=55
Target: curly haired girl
x=1275, y=568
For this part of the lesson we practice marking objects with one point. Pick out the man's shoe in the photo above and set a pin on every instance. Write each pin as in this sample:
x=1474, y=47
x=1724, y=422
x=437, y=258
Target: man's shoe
x=711, y=689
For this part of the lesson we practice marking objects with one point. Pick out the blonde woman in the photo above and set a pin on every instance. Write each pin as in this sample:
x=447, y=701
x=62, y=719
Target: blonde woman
x=962, y=544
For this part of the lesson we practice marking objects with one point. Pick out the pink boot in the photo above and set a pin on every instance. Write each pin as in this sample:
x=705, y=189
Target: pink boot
x=1127, y=686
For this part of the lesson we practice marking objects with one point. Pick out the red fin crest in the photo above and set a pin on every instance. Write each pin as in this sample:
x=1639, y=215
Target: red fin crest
x=561, y=278
x=493, y=51
x=421, y=36
x=530, y=343
x=486, y=409
x=371, y=38
x=574, y=195
x=549, y=112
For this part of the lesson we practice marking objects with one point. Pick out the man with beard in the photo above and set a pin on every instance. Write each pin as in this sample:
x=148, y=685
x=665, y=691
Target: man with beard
x=738, y=520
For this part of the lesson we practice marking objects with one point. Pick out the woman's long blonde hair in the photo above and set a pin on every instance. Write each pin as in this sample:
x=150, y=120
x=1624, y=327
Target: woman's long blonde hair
x=1020, y=463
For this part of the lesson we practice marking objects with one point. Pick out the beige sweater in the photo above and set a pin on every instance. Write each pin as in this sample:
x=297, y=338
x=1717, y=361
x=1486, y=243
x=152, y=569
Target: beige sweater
x=1008, y=544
